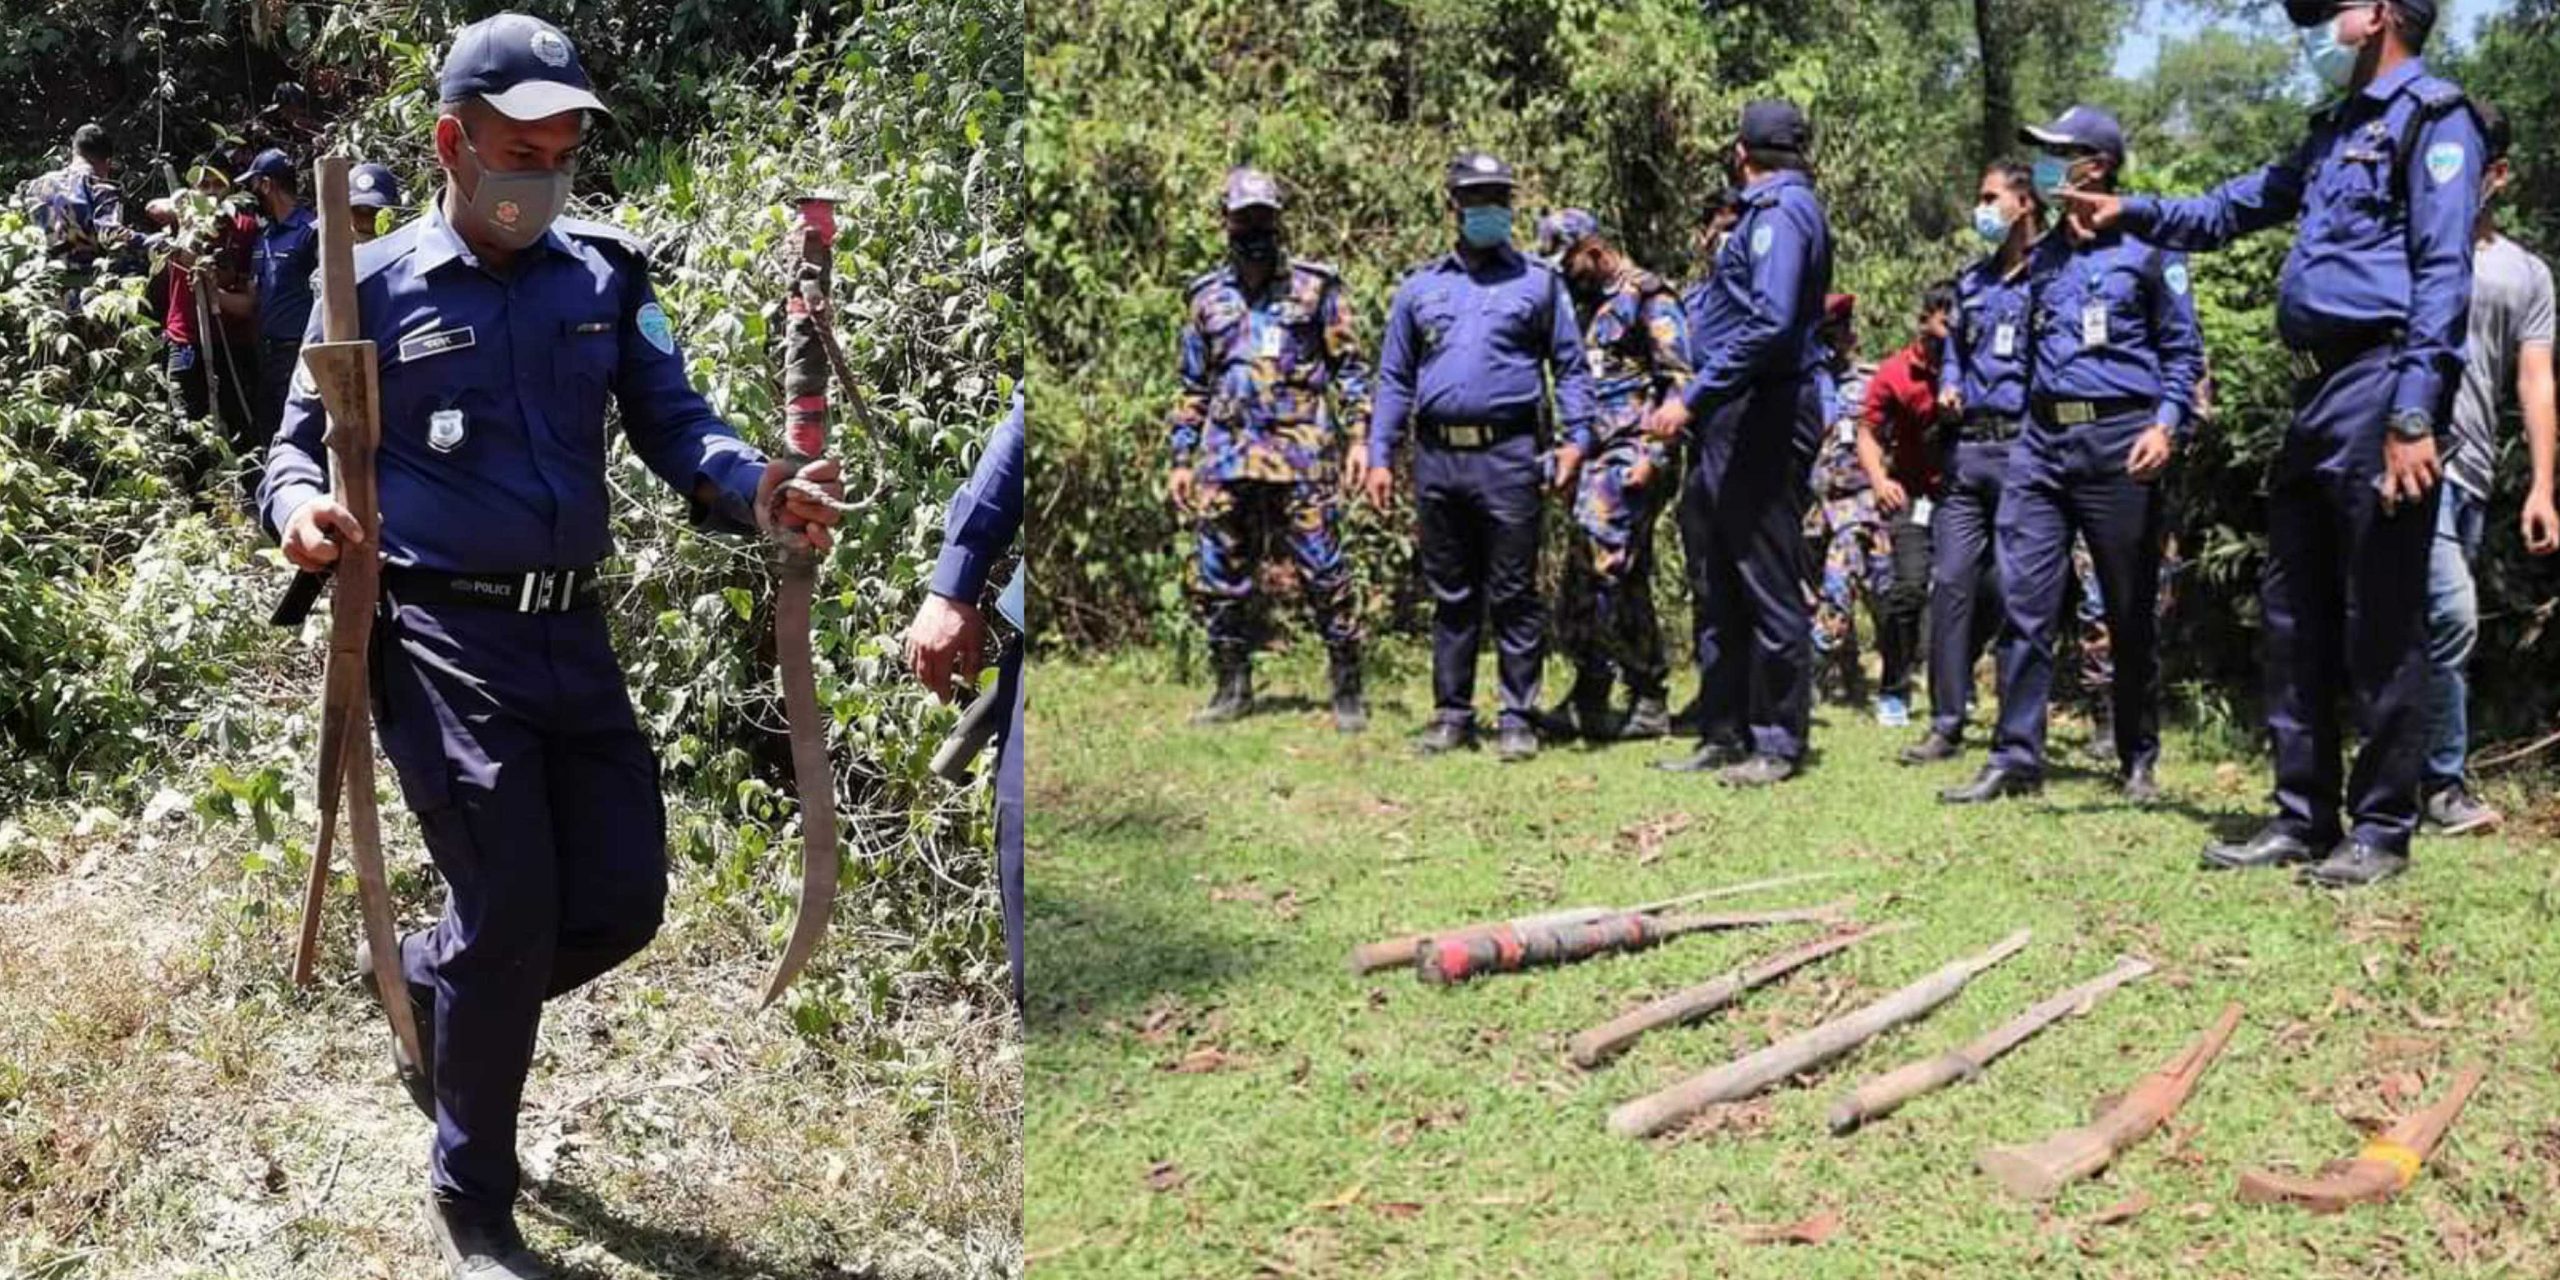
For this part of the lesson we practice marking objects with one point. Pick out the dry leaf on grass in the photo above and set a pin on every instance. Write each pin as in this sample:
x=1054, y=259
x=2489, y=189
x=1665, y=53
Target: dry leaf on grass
x=1814, y=1230
x=1205, y=1059
x=2125, y=1210
x=1165, y=1175
x=1647, y=837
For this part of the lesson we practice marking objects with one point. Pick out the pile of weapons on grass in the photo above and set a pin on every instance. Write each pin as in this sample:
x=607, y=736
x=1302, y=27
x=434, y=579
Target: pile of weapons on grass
x=2036, y=1171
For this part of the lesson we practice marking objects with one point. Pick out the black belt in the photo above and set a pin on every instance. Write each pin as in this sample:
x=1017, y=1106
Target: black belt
x=2310, y=364
x=1472, y=435
x=539, y=591
x=2080, y=413
x=1990, y=428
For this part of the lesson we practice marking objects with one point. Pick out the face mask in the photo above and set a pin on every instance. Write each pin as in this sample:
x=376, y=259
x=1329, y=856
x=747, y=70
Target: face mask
x=2332, y=61
x=1259, y=248
x=2053, y=173
x=511, y=208
x=1990, y=224
x=1485, y=225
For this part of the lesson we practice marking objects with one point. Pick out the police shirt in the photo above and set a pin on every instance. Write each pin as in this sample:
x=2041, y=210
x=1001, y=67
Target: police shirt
x=1470, y=345
x=287, y=253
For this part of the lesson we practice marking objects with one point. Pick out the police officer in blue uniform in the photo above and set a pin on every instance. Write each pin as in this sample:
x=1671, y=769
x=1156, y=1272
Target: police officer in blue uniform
x=2113, y=360
x=501, y=331
x=1982, y=393
x=373, y=197
x=282, y=263
x=1471, y=339
x=1753, y=414
x=948, y=638
x=2373, y=303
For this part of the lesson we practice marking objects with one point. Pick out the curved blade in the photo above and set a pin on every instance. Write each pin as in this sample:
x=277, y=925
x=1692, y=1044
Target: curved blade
x=809, y=769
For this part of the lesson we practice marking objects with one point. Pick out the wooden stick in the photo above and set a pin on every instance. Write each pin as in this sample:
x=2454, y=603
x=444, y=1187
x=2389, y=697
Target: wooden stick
x=1601, y=1043
x=1655, y=1112
x=1880, y=1095
x=2038, y=1170
x=1442, y=961
x=2385, y=1167
x=1395, y=953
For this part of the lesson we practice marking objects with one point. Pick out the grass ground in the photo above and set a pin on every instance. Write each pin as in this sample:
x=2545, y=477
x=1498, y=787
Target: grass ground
x=170, y=1107
x=1211, y=1093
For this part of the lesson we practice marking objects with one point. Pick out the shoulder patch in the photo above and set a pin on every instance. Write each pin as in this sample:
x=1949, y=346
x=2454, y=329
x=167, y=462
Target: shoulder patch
x=2175, y=276
x=2445, y=161
x=1763, y=236
x=654, y=327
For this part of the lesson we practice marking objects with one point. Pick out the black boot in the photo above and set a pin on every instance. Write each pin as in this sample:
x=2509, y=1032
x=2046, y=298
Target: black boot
x=2272, y=847
x=1648, y=718
x=479, y=1245
x=1234, y=698
x=1350, y=711
x=1993, y=783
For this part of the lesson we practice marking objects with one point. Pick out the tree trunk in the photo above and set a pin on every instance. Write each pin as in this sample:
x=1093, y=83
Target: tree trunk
x=1999, y=96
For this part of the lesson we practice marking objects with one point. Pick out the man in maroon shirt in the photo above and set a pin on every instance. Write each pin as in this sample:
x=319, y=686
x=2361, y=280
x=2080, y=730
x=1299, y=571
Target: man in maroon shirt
x=1898, y=447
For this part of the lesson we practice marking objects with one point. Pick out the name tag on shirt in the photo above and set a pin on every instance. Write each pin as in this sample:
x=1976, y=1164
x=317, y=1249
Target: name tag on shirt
x=1921, y=510
x=1268, y=347
x=2004, y=340
x=419, y=346
x=2093, y=324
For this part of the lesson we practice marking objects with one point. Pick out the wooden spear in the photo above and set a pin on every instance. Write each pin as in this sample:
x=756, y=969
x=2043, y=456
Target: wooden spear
x=1601, y=1043
x=1655, y=1112
x=1878, y=1097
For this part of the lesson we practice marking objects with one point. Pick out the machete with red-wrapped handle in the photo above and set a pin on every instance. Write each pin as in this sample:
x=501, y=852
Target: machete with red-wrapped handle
x=808, y=352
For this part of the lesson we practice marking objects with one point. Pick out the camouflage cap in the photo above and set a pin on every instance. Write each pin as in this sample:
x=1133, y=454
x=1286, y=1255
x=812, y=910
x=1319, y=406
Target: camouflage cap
x=1560, y=231
x=1248, y=188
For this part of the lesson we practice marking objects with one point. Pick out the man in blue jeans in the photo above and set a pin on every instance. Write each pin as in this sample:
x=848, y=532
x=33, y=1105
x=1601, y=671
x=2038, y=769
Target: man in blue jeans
x=2510, y=343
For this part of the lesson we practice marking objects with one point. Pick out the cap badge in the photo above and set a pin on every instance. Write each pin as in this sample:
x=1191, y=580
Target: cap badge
x=551, y=48
x=1486, y=164
x=364, y=182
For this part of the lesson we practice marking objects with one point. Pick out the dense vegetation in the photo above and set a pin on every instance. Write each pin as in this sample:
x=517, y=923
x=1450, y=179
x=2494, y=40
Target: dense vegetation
x=133, y=651
x=1620, y=108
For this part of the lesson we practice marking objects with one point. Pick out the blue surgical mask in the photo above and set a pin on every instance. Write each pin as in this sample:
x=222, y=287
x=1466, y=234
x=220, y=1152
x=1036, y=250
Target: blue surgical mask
x=2333, y=62
x=2052, y=173
x=1485, y=225
x=1990, y=224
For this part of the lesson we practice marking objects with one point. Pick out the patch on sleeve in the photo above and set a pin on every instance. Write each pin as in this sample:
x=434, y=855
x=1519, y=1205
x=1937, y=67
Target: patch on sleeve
x=2444, y=162
x=654, y=327
x=2176, y=276
x=1762, y=237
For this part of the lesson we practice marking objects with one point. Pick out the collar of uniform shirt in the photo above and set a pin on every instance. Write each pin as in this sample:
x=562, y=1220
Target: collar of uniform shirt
x=1781, y=178
x=2392, y=81
x=439, y=244
x=1503, y=252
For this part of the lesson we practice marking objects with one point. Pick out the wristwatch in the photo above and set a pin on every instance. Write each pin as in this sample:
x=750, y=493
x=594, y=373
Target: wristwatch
x=2413, y=425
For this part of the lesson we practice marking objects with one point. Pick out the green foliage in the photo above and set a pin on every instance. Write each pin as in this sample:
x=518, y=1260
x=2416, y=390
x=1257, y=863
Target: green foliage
x=1625, y=109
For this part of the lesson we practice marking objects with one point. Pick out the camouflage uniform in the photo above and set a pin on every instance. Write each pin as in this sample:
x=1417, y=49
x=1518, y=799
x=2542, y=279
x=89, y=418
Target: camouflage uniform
x=1853, y=538
x=1638, y=342
x=1253, y=426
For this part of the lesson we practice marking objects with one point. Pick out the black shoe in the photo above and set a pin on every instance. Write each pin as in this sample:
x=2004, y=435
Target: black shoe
x=1234, y=698
x=1691, y=718
x=418, y=1078
x=479, y=1246
x=1648, y=718
x=2102, y=740
x=2142, y=785
x=1350, y=710
x=1445, y=736
x=1707, y=758
x=2353, y=865
x=1931, y=749
x=1515, y=743
x=1758, y=771
x=1993, y=783
x=2271, y=847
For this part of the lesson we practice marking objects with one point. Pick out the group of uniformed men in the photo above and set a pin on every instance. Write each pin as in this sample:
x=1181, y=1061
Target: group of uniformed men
x=2052, y=384
x=233, y=293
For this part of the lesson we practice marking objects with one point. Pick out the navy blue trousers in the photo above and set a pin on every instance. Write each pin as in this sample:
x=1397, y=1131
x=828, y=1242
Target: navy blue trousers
x=1964, y=599
x=515, y=745
x=1009, y=748
x=1742, y=525
x=2064, y=481
x=2345, y=599
x=1481, y=510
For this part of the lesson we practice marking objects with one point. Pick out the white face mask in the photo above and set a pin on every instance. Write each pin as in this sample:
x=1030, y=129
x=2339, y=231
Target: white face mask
x=2332, y=59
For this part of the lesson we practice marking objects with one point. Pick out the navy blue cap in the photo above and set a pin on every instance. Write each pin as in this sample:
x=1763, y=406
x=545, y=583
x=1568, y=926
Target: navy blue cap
x=521, y=66
x=2311, y=13
x=1478, y=169
x=1249, y=188
x=2083, y=126
x=1775, y=124
x=373, y=186
x=270, y=163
